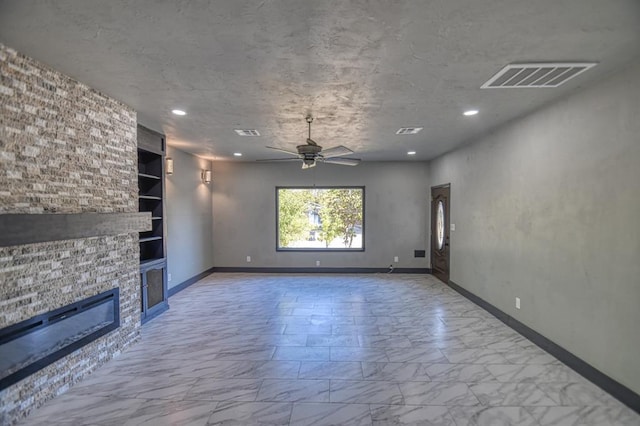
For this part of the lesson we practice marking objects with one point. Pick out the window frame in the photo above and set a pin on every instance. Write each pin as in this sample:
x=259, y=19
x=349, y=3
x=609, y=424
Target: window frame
x=326, y=249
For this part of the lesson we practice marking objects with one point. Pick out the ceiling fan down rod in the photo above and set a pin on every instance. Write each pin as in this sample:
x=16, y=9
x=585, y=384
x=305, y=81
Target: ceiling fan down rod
x=309, y=121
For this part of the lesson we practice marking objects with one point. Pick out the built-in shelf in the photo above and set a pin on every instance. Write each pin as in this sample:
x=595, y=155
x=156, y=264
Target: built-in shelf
x=148, y=262
x=144, y=175
x=146, y=240
x=151, y=193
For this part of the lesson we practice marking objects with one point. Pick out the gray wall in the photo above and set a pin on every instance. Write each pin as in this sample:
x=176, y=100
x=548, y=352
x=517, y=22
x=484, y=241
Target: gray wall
x=548, y=209
x=188, y=210
x=244, y=213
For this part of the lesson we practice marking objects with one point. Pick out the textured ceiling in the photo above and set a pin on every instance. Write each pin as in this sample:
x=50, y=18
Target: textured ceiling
x=362, y=68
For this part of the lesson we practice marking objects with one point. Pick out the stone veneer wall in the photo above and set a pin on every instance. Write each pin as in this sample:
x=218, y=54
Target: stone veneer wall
x=64, y=148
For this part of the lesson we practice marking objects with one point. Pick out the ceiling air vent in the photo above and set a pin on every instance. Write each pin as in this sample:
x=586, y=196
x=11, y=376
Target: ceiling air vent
x=247, y=132
x=536, y=75
x=408, y=130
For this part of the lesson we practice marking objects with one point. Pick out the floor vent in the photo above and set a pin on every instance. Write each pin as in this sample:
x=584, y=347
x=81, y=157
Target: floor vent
x=536, y=75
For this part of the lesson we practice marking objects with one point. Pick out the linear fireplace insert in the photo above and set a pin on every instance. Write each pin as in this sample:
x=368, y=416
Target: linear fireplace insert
x=31, y=345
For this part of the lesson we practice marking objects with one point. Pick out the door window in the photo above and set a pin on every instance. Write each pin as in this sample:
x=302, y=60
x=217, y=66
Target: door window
x=440, y=224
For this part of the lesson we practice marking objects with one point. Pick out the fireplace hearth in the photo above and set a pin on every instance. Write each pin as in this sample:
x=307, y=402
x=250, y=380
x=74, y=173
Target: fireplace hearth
x=31, y=345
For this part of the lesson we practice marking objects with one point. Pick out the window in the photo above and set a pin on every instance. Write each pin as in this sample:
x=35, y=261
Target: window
x=440, y=225
x=326, y=219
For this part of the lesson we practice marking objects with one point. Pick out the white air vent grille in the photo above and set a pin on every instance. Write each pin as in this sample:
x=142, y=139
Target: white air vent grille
x=536, y=75
x=408, y=130
x=247, y=132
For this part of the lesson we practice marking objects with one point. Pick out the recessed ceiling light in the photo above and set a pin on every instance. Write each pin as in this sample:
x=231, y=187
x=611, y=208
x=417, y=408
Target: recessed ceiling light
x=470, y=112
x=408, y=130
x=237, y=154
x=178, y=112
x=411, y=153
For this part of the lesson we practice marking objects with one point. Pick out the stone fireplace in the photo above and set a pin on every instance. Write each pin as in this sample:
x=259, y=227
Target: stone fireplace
x=33, y=344
x=69, y=227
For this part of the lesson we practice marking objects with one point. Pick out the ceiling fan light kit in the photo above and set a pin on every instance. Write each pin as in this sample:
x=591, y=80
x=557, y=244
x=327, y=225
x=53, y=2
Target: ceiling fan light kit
x=310, y=153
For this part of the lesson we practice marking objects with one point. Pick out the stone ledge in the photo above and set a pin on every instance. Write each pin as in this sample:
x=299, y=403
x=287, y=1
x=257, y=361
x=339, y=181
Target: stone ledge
x=19, y=229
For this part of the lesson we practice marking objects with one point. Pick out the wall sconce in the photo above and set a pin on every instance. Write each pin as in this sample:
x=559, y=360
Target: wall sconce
x=206, y=176
x=169, y=166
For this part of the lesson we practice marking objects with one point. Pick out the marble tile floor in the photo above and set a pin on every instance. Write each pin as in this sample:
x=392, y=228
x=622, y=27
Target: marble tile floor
x=320, y=349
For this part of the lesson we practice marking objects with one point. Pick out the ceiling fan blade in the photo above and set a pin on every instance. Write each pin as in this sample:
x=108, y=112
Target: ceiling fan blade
x=336, y=151
x=283, y=150
x=273, y=160
x=343, y=161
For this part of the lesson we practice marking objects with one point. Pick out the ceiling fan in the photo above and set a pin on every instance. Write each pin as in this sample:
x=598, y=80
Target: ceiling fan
x=311, y=152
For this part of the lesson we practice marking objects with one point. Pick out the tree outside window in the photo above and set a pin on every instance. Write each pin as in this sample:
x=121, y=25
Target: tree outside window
x=328, y=218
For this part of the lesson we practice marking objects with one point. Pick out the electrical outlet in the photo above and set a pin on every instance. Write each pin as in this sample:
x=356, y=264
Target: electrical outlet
x=395, y=259
x=317, y=263
x=169, y=277
x=517, y=303
x=248, y=259
x=453, y=226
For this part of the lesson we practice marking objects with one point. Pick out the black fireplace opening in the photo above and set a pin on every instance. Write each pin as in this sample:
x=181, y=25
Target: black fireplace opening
x=33, y=344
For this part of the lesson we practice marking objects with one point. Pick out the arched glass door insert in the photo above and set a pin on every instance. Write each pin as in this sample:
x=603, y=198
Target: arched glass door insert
x=440, y=225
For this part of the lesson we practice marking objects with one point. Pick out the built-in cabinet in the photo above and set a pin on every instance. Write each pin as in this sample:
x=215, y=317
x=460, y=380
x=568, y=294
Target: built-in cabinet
x=151, y=198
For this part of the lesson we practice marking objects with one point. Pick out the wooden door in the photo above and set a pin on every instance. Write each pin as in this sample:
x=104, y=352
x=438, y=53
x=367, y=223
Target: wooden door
x=440, y=226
